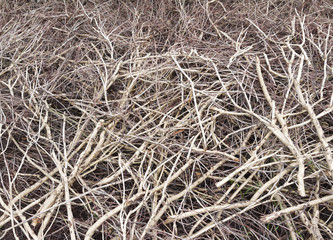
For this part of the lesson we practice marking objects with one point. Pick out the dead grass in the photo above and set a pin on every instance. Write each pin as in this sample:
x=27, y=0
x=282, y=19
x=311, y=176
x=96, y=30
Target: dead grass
x=166, y=119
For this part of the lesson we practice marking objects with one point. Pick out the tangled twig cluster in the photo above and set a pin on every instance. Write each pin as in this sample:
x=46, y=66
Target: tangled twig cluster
x=166, y=119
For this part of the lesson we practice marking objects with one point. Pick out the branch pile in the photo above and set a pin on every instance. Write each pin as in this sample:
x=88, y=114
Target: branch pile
x=166, y=120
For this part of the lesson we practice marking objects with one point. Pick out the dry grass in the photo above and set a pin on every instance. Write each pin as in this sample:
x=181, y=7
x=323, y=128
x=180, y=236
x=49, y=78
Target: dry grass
x=166, y=119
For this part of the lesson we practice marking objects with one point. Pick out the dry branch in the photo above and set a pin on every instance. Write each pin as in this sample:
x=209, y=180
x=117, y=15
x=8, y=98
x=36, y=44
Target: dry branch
x=165, y=119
